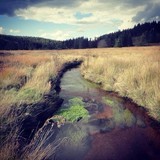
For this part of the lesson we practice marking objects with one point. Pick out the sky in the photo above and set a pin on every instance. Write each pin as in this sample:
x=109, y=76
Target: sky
x=65, y=19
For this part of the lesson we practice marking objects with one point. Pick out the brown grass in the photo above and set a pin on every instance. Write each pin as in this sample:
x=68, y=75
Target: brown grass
x=31, y=71
x=132, y=72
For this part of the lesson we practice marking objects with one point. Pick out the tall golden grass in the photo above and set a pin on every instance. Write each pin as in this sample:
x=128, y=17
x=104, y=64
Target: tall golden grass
x=24, y=78
x=35, y=69
x=132, y=72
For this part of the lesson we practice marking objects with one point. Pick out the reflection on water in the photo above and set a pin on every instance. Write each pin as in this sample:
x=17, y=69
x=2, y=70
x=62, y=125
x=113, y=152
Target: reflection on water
x=111, y=130
x=73, y=85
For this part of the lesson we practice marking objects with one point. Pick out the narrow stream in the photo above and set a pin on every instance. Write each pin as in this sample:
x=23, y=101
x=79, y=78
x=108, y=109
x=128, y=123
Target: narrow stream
x=110, y=131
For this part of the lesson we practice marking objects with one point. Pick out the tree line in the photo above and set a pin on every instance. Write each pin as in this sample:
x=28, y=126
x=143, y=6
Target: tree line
x=140, y=35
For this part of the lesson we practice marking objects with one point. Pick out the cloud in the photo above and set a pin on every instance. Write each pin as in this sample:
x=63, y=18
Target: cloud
x=8, y=7
x=125, y=3
x=1, y=30
x=83, y=13
x=56, y=35
x=13, y=31
x=97, y=14
x=80, y=30
x=150, y=13
x=47, y=14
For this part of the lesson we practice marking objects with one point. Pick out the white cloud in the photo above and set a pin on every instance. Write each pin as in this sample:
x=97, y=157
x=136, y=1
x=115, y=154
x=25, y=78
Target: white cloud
x=102, y=13
x=81, y=30
x=1, y=30
x=47, y=14
x=111, y=15
x=13, y=31
x=56, y=35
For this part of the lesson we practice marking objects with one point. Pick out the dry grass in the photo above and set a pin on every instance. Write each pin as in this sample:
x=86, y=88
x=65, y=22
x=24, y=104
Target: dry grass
x=132, y=72
x=9, y=147
x=24, y=76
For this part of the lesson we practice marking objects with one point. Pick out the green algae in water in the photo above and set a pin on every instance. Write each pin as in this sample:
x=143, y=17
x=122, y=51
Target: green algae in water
x=75, y=110
x=107, y=100
x=130, y=119
x=122, y=117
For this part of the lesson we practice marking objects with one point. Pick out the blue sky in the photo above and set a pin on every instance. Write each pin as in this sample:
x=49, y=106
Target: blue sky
x=64, y=19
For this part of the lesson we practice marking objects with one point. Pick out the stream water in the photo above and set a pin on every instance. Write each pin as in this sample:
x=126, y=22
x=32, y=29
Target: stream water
x=113, y=130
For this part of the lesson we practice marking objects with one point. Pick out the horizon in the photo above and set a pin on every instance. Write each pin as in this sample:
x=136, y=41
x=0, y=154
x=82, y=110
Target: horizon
x=62, y=20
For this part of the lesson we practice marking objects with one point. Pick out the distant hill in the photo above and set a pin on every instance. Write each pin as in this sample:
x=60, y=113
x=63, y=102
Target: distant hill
x=141, y=35
x=8, y=42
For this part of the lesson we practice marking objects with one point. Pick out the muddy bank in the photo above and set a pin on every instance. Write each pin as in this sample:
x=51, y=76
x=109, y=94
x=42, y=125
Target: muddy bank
x=28, y=118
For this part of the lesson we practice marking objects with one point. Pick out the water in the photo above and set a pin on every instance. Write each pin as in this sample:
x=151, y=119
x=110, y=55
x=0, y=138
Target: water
x=114, y=129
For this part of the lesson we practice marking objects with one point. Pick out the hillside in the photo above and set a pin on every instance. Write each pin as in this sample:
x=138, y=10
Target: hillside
x=141, y=35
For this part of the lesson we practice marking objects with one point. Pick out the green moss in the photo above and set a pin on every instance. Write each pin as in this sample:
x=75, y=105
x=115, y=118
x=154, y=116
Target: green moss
x=29, y=94
x=74, y=111
x=109, y=101
x=122, y=117
x=129, y=118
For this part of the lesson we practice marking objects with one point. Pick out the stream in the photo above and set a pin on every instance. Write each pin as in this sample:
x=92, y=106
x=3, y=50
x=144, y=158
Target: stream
x=112, y=129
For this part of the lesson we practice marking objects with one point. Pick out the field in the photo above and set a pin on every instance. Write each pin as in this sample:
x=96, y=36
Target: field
x=132, y=72
x=25, y=76
x=24, y=79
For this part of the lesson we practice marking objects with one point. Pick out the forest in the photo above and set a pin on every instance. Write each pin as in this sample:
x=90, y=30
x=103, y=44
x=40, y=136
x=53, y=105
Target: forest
x=140, y=35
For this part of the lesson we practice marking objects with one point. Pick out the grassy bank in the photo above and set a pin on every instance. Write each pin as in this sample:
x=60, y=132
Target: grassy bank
x=132, y=72
x=24, y=79
x=25, y=75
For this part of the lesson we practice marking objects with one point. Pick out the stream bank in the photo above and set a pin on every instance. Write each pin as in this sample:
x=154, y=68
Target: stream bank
x=106, y=127
x=30, y=117
x=38, y=113
x=113, y=128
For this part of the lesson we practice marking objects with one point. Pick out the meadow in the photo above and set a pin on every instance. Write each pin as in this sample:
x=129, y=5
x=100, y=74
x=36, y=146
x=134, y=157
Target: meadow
x=25, y=75
x=132, y=72
x=24, y=79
